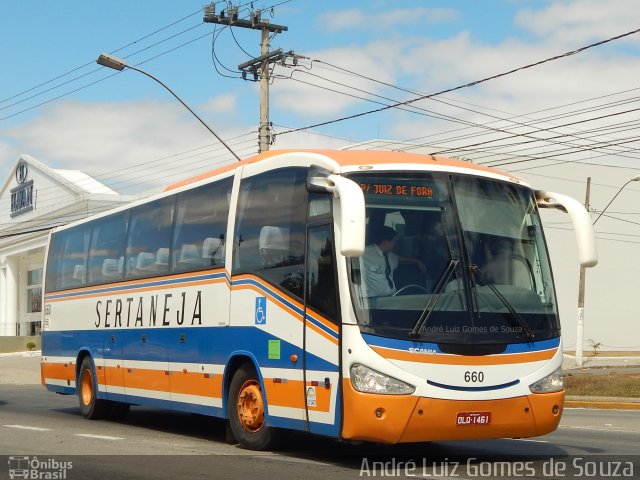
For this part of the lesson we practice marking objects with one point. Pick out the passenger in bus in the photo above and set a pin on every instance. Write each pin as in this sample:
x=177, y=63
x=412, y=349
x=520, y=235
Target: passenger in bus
x=380, y=261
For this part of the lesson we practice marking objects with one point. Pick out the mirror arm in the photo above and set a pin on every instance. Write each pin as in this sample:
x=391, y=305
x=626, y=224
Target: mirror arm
x=585, y=238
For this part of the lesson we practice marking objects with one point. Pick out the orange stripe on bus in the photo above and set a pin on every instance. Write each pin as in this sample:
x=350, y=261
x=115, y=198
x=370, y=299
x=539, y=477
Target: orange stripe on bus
x=295, y=314
x=174, y=381
x=196, y=383
x=346, y=158
x=285, y=307
x=321, y=332
x=143, y=379
x=142, y=284
x=136, y=290
x=446, y=359
x=291, y=393
x=58, y=371
x=327, y=323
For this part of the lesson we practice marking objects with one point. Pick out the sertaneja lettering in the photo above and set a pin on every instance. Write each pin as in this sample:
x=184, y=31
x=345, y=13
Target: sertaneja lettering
x=113, y=313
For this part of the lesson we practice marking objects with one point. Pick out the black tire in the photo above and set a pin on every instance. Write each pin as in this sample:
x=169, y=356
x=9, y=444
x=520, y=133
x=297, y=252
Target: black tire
x=246, y=412
x=87, y=387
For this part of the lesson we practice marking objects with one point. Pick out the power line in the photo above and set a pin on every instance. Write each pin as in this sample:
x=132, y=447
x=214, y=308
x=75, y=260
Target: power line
x=572, y=147
x=467, y=85
x=91, y=63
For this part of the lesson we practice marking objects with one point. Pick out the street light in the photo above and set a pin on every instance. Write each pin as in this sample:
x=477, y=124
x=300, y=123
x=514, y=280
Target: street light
x=119, y=64
x=634, y=179
x=580, y=324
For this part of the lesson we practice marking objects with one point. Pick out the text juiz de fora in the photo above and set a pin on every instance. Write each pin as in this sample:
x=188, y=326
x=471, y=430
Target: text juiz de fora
x=156, y=310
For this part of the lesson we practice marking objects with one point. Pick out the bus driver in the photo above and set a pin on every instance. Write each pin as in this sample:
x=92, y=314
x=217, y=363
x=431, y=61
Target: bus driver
x=380, y=261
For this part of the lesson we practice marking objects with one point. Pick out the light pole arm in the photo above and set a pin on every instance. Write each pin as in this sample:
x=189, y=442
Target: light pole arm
x=614, y=197
x=187, y=107
x=115, y=63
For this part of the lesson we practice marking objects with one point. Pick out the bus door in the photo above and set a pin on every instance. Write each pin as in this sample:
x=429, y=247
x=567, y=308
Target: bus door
x=322, y=333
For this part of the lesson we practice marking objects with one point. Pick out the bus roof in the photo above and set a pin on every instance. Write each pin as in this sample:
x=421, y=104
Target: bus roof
x=347, y=158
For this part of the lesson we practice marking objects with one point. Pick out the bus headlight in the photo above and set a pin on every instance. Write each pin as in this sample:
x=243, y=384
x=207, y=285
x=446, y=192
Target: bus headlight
x=367, y=380
x=549, y=384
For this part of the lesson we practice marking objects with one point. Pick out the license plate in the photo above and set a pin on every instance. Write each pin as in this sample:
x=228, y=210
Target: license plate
x=473, y=418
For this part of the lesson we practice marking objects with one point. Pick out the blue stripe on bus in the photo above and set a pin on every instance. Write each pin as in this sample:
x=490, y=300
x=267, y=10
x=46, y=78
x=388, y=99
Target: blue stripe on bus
x=310, y=317
x=203, y=345
x=124, y=288
x=269, y=291
x=397, y=344
x=275, y=294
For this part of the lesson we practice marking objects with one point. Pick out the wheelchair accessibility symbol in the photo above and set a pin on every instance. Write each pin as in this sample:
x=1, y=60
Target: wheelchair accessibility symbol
x=261, y=310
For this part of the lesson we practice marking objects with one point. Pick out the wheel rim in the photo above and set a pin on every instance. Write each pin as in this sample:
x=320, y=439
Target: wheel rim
x=251, y=406
x=87, y=387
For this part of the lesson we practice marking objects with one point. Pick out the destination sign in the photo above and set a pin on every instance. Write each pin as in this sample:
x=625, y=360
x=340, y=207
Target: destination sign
x=397, y=190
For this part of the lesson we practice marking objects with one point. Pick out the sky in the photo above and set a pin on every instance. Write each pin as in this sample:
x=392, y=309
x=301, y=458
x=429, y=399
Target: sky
x=59, y=106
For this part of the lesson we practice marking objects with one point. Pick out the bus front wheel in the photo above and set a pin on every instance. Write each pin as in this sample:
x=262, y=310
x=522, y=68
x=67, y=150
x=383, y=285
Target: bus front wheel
x=87, y=387
x=246, y=410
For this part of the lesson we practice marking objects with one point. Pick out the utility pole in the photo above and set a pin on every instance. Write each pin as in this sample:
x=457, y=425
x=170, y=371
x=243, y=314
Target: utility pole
x=580, y=324
x=259, y=66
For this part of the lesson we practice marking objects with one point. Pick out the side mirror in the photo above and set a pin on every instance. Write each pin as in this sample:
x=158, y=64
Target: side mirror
x=587, y=254
x=350, y=211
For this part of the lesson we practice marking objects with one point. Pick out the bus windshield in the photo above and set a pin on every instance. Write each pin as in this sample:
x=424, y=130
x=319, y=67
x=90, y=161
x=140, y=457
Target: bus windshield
x=455, y=260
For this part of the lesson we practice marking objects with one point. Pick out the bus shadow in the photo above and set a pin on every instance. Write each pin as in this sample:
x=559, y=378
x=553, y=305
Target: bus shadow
x=166, y=421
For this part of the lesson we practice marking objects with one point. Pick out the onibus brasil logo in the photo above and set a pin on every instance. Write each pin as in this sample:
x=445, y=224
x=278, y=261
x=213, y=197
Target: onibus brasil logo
x=38, y=469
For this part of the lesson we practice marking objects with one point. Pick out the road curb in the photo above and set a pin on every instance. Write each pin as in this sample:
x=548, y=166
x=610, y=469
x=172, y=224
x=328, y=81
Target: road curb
x=617, y=405
x=32, y=353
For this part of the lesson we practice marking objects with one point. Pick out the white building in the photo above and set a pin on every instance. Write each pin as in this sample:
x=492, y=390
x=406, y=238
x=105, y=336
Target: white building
x=33, y=200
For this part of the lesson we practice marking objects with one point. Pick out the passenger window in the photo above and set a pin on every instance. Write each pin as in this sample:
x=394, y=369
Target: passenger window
x=201, y=224
x=68, y=259
x=270, y=228
x=149, y=238
x=107, y=249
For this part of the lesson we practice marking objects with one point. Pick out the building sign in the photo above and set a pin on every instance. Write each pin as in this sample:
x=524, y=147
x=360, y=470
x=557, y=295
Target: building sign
x=22, y=195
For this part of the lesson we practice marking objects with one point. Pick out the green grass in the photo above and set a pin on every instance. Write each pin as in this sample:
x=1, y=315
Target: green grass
x=603, y=385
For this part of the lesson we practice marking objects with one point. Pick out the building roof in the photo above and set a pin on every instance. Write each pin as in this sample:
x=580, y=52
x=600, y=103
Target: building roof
x=84, y=182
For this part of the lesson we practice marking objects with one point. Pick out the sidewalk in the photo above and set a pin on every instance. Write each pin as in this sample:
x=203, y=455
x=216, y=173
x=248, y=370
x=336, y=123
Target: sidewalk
x=569, y=362
x=609, y=403
x=22, y=368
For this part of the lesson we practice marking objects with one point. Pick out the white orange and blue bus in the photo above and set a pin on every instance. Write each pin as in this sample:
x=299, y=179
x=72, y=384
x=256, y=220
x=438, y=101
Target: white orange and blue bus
x=243, y=294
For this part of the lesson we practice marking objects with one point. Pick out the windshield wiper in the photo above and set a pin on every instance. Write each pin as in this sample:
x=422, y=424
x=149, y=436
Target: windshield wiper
x=429, y=308
x=514, y=315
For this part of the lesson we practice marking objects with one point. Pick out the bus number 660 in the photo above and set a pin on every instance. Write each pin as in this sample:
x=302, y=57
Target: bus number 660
x=474, y=377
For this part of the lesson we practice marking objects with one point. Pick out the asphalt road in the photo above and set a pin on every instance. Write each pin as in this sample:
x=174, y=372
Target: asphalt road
x=45, y=432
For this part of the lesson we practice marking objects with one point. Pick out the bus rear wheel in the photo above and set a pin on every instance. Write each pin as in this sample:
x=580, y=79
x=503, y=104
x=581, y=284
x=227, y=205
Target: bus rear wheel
x=246, y=410
x=91, y=407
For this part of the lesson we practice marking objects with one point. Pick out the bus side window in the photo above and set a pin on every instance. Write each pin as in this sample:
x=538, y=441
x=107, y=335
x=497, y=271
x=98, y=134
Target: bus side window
x=74, y=247
x=201, y=224
x=149, y=235
x=107, y=246
x=270, y=228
